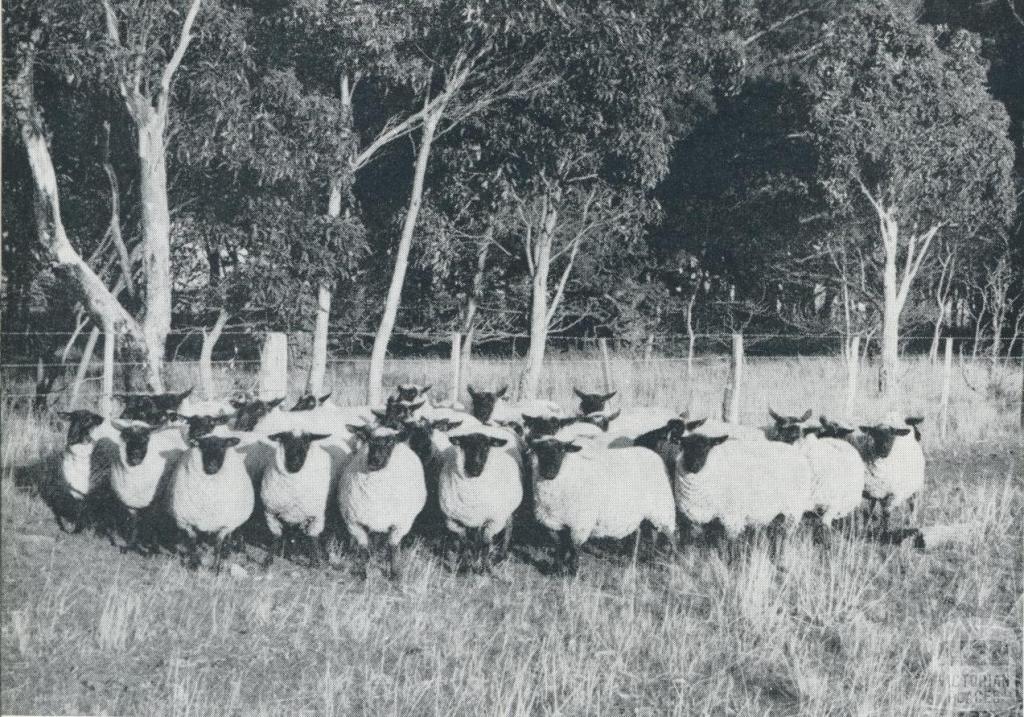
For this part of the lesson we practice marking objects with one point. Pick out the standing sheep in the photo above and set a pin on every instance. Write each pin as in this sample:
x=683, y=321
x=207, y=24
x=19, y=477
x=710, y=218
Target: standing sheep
x=294, y=490
x=382, y=490
x=741, y=484
x=607, y=493
x=211, y=494
x=894, y=467
x=480, y=489
x=79, y=477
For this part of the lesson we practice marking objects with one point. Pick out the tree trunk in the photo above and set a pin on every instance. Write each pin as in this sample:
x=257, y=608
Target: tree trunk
x=374, y=390
x=206, y=355
x=889, y=375
x=473, y=303
x=83, y=365
x=539, y=306
x=156, y=235
x=318, y=359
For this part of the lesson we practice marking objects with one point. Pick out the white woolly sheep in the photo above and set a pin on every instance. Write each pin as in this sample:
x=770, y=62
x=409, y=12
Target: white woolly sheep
x=141, y=464
x=607, y=493
x=211, y=494
x=479, y=490
x=382, y=490
x=295, y=488
x=741, y=484
x=894, y=465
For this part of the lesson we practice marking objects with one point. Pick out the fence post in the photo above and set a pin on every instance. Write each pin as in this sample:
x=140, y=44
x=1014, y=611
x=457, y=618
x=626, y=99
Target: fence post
x=83, y=364
x=109, y=343
x=947, y=376
x=606, y=365
x=456, y=366
x=274, y=366
x=852, y=368
x=731, y=400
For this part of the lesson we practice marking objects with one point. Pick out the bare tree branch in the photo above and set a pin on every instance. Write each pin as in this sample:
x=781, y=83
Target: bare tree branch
x=179, y=53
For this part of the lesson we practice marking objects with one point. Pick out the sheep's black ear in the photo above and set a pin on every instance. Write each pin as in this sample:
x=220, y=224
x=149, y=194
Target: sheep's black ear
x=275, y=403
x=459, y=441
x=379, y=415
x=67, y=416
x=426, y=388
x=578, y=392
x=469, y=389
x=900, y=431
x=572, y=448
x=914, y=420
x=310, y=437
x=500, y=393
x=717, y=440
x=616, y=414
x=807, y=414
x=361, y=432
x=278, y=436
x=232, y=441
x=497, y=442
x=842, y=432
x=608, y=396
x=323, y=399
x=416, y=406
x=775, y=417
x=823, y=421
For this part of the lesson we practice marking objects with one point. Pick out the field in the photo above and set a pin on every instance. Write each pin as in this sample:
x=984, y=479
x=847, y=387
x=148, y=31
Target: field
x=854, y=628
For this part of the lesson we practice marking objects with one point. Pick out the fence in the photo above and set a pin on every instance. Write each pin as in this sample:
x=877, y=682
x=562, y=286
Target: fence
x=735, y=376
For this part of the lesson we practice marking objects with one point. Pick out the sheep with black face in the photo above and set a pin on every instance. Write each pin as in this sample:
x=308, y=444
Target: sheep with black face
x=211, y=494
x=895, y=466
x=381, y=490
x=295, y=488
x=79, y=477
x=602, y=493
x=480, y=489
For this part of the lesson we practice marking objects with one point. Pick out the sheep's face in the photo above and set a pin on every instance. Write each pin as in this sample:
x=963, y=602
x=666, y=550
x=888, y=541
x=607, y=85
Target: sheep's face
x=136, y=443
x=213, y=449
x=475, y=447
x=309, y=402
x=915, y=422
x=599, y=419
x=380, y=442
x=409, y=392
x=550, y=453
x=545, y=425
x=296, y=447
x=199, y=426
x=484, y=402
x=80, y=425
x=593, y=402
x=882, y=438
x=397, y=412
x=250, y=413
x=695, y=449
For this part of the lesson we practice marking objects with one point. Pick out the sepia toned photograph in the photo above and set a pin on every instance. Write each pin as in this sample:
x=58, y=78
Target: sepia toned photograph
x=512, y=357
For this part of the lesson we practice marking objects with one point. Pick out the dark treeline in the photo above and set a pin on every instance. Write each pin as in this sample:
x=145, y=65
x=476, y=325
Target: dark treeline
x=581, y=168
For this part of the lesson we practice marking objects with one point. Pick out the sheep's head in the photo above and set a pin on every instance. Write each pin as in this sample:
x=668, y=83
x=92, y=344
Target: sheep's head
x=409, y=392
x=250, y=413
x=545, y=425
x=679, y=427
x=136, y=443
x=833, y=429
x=788, y=429
x=202, y=425
x=397, y=412
x=475, y=447
x=484, y=402
x=309, y=402
x=550, y=453
x=592, y=402
x=694, y=450
x=882, y=438
x=421, y=432
x=212, y=449
x=80, y=425
x=296, y=447
x=380, y=441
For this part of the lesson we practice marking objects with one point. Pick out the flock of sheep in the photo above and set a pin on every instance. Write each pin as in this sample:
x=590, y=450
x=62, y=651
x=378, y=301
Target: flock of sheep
x=211, y=466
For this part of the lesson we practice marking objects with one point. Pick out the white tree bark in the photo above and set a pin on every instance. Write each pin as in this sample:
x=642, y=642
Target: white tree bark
x=375, y=387
x=539, y=310
x=206, y=355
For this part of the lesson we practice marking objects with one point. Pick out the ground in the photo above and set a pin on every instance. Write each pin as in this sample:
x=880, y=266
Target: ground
x=852, y=628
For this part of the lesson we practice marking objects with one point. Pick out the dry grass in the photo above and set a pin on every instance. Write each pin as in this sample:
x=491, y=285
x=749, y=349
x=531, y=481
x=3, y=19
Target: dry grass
x=846, y=630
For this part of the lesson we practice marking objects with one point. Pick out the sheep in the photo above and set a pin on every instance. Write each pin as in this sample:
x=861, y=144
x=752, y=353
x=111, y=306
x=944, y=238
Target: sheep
x=666, y=441
x=308, y=402
x=428, y=440
x=605, y=493
x=837, y=467
x=895, y=466
x=78, y=475
x=142, y=461
x=741, y=484
x=479, y=490
x=295, y=488
x=211, y=494
x=381, y=490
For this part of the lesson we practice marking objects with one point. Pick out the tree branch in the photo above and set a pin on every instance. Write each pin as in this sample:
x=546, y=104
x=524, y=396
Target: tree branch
x=179, y=53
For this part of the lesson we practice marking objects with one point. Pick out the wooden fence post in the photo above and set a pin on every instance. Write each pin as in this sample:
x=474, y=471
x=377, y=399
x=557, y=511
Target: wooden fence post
x=852, y=368
x=947, y=376
x=107, y=392
x=456, y=366
x=83, y=364
x=731, y=400
x=606, y=365
x=273, y=382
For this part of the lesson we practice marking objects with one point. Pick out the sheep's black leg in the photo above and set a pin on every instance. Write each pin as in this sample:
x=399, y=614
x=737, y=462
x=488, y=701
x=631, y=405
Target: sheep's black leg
x=275, y=546
x=886, y=509
x=911, y=511
x=506, y=542
x=394, y=560
x=574, y=558
x=132, y=541
x=192, y=547
x=315, y=551
x=485, y=552
x=81, y=516
x=218, y=550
